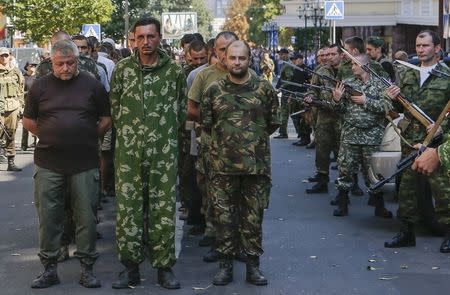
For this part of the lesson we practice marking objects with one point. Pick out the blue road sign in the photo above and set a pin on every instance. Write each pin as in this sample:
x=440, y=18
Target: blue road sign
x=92, y=30
x=334, y=10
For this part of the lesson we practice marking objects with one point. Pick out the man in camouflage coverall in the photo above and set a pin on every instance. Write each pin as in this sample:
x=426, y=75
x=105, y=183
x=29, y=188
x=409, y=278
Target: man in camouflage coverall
x=363, y=125
x=327, y=132
x=239, y=113
x=431, y=94
x=148, y=102
x=12, y=85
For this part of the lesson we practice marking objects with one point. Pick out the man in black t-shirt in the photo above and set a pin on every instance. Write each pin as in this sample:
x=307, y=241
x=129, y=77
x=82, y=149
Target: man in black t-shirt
x=68, y=110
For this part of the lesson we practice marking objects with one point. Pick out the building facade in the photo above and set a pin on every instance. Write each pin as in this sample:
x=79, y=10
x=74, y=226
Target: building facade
x=397, y=21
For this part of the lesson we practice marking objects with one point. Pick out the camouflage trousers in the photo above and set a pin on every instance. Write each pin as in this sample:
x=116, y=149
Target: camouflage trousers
x=327, y=137
x=206, y=205
x=351, y=156
x=284, y=116
x=239, y=202
x=409, y=193
x=145, y=213
x=10, y=120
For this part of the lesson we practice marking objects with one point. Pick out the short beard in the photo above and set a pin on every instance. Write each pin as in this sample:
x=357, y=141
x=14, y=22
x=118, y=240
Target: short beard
x=239, y=75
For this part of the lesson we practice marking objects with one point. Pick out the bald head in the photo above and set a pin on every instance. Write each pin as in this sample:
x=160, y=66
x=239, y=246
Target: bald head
x=241, y=45
x=58, y=36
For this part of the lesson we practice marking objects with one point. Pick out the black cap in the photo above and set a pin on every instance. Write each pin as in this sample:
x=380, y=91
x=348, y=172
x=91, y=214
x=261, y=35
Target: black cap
x=283, y=50
x=296, y=55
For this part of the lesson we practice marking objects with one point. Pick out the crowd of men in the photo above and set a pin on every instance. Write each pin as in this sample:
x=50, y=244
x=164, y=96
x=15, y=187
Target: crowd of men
x=132, y=123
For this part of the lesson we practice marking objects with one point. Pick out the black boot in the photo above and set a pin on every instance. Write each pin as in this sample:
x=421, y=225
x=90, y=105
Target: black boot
x=167, y=279
x=445, y=246
x=335, y=201
x=241, y=256
x=317, y=177
x=405, y=238
x=225, y=273
x=11, y=165
x=321, y=186
x=88, y=278
x=48, y=278
x=342, y=209
x=380, y=209
x=253, y=274
x=356, y=190
x=128, y=277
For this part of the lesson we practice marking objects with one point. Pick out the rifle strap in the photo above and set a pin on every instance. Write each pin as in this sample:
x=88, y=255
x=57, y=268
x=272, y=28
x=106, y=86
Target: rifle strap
x=396, y=129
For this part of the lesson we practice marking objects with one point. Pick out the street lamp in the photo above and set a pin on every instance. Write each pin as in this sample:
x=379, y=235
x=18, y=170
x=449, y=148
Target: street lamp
x=271, y=28
x=313, y=10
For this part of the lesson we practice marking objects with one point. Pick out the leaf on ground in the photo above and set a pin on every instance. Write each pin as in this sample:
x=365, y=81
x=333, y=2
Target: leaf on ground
x=290, y=195
x=435, y=267
x=388, y=278
x=201, y=288
x=313, y=257
x=305, y=181
x=370, y=267
x=16, y=254
x=280, y=219
x=372, y=260
x=403, y=266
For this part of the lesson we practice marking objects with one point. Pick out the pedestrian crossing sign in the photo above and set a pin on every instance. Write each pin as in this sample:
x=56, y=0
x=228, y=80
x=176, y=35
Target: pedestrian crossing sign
x=92, y=30
x=334, y=10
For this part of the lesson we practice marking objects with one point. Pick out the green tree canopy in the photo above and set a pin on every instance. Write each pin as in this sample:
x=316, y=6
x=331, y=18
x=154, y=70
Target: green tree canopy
x=259, y=12
x=39, y=19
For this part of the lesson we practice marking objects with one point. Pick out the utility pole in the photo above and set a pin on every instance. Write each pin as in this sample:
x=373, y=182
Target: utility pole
x=127, y=22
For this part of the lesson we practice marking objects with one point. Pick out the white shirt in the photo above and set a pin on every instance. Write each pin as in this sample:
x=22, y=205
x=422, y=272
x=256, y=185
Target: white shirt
x=109, y=64
x=425, y=73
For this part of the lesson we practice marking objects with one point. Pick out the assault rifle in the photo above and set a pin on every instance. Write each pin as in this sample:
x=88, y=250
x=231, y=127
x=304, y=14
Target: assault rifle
x=5, y=131
x=301, y=96
x=410, y=106
x=437, y=73
x=431, y=140
x=352, y=91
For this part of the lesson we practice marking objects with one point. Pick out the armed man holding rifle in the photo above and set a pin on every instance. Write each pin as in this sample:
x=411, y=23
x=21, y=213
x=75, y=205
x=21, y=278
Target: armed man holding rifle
x=430, y=93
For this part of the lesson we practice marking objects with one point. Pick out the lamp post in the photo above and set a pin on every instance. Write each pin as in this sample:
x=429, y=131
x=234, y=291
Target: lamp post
x=271, y=28
x=313, y=10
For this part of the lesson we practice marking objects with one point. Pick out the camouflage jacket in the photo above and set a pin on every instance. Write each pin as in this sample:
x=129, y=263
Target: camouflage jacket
x=148, y=105
x=12, y=85
x=240, y=119
x=324, y=116
x=444, y=155
x=84, y=64
x=431, y=98
x=364, y=124
x=345, y=69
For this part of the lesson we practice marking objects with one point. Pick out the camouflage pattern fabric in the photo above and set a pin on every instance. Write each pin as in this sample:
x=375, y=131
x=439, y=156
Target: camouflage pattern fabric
x=84, y=64
x=431, y=98
x=239, y=119
x=286, y=75
x=239, y=202
x=444, y=155
x=148, y=109
x=327, y=123
x=345, y=69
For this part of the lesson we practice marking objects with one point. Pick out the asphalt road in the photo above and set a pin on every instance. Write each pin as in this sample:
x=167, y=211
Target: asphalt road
x=307, y=250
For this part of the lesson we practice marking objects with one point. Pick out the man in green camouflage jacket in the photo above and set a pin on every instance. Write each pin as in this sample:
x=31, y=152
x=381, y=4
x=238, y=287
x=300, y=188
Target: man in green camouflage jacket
x=239, y=113
x=363, y=124
x=327, y=132
x=430, y=93
x=12, y=85
x=148, y=102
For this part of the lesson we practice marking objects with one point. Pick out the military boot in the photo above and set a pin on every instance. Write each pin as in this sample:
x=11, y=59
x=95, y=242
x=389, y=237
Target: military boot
x=380, y=209
x=321, y=186
x=167, y=279
x=11, y=165
x=445, y=246
x=336, y=199
x=342, y=209
x=64, y=253
x=317, y=177
x=88, y=278
x=211, y=256
x=405, y=238
x=253, y=273
x=225, y=273
x=48, y=278
x=129, y=277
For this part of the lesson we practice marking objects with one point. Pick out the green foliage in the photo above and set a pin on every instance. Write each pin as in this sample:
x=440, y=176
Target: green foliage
x=39, y=19
x=259, y=12
x=204, y=17
x=115, y=28
x=305, y=37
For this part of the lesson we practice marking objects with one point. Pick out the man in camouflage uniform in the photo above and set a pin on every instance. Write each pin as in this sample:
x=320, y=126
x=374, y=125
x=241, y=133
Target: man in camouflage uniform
x=201, y=82
x=327, y=131
x=363, y=126
x=430, y=93
x=286, y=74
x=239, y=113
x=148, y=102
x=12, y=85
x=84, y=63
x=375, y=50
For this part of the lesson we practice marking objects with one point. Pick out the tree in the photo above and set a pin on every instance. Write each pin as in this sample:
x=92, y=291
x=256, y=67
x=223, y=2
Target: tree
x=259, y=12
x=236, y=18
x=204, y=18
x=39, y=19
